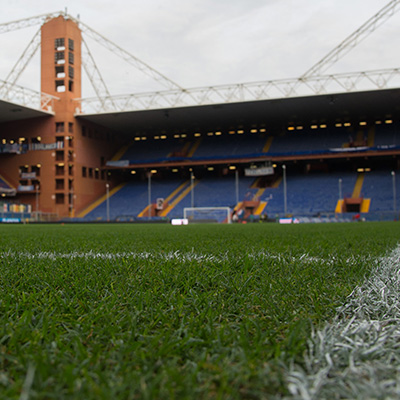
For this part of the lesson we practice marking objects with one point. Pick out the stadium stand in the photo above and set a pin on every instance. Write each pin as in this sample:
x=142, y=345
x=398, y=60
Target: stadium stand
x=378, y=185
x=230, y=145
x=150, y=150
x=387, y=135
x=308, y=193
x=222, y=145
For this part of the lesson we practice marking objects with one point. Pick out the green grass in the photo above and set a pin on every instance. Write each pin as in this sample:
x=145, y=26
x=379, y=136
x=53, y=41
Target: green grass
x=202, y=311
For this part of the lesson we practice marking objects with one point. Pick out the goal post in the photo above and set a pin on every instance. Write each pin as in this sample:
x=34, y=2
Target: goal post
x=207, y=214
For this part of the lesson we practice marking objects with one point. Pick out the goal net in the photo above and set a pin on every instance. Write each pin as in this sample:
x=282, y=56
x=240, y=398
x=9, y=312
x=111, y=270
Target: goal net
x=207, y=214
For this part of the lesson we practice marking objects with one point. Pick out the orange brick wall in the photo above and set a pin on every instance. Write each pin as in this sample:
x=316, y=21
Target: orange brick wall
x=63, y=188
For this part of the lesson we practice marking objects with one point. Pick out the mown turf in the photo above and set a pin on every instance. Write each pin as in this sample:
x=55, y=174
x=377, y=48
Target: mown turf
x=155, y=311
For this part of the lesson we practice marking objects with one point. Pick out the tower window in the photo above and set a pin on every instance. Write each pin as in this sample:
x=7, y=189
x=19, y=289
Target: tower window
x=60, y=86
x=59, y=198
x=71, y=58
x=59, y=56
x=60, y=42
x=71, y=44
x=59, y=184
x=59, y=126
x=71, y=72
x=60, y=169
x=60, y=72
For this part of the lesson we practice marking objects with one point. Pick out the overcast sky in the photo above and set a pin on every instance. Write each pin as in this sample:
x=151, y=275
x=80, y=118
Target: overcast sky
x=210, y=42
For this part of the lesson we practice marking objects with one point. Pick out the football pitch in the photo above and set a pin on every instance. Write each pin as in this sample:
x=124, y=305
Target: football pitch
x=146, y=311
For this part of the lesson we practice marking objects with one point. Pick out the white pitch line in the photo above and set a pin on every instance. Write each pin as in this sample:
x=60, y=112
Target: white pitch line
x=358, y=355
x=177, y=255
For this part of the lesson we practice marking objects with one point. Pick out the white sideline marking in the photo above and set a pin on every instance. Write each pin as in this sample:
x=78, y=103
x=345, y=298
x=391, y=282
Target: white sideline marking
x=357, y=356
x=177, y=255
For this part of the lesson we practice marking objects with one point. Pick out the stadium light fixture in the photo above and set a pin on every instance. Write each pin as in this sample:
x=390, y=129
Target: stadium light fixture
x=197, y=134
x=378, y=122
x=37, y=202
x=347, y=124
x=153, y=171
x=175, y=170
x=237, y=186
x=192, y=189
x=299, y=128
x=144, y=138
x=137, y=138
x=210, y=133
x=240, y=132
x=254, y=131
x=263, y=130
x=363, y=123
x=394, y=190
x=218, y=133
x=149, y=193
x=338, y=125
x=314, y=126
x=231, y=132
x=176, y=136
x=183, y=135
x=388, y=121
x=163, y=137
x=108, y=201
x=232, y=167
x=322, y=126
x=290, y=128
x=133, y=172
x=38, y=138
x=284, y=189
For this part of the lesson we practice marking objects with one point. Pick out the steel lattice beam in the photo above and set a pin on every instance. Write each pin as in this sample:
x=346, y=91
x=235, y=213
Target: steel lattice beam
x=26, y=97
x=23, y=61
x=129, y=58
x=284, y=88
x=27, y=22
x=356, y=37
x=93, y=73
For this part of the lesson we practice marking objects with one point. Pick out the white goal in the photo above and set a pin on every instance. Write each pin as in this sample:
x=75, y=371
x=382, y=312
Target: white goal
x=207, y=214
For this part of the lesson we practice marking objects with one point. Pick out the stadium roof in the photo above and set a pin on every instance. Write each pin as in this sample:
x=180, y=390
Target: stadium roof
x=14, y=112
x=276, y=113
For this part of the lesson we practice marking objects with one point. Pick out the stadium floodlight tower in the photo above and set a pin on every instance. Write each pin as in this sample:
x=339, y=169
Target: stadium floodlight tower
x=284, y=189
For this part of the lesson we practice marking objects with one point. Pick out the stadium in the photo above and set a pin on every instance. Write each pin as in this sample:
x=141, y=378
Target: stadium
x=319, y=146
x=102, y=296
